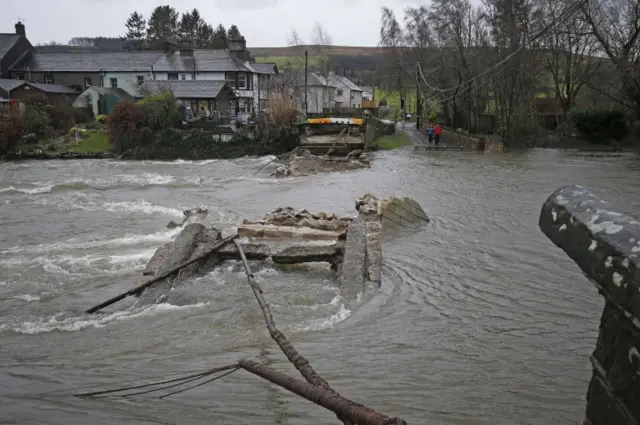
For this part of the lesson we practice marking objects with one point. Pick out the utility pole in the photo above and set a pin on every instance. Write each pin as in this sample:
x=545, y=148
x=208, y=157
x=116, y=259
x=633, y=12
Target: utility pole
x=306, y=81
x=417, y=100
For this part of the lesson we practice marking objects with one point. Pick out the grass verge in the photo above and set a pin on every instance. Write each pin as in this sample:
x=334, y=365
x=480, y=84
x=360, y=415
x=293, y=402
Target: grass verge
x=96, y=142
x=393, y=141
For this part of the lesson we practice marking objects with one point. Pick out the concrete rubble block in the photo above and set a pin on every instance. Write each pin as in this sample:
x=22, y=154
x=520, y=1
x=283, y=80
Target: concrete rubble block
x=285, y=232
x=254, y=252
x=158, y=259
x=191, y=242
x=368, y=206
x=603, y=242
x=306, y=254
x=353, y=265
x=373, y=250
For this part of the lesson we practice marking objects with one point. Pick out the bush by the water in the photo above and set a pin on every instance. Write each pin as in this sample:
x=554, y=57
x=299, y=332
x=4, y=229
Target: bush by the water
x=61, y=115
x=160, y=111
x=123, y=126
x=601, y=126
x=102, y=119
x=36, y=121
x=11, y=129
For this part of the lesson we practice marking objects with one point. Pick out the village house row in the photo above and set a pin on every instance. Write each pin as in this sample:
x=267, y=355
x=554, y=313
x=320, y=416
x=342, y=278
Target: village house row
x=206, y=79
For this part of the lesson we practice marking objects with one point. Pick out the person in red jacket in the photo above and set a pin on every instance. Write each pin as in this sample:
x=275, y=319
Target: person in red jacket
x=436, y=134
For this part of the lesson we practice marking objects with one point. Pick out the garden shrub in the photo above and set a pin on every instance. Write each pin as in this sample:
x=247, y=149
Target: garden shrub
x=36, y=121
x=123, y=126
x=601, y=125
x=160, y=111
x=61, y=115
x=102, y=119
x=11, y=130
x=83, y=115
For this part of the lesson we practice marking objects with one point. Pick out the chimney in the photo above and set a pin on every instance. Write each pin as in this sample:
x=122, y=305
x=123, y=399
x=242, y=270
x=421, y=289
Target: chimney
x=238, y=47
x=186, y=48
x=20, y=29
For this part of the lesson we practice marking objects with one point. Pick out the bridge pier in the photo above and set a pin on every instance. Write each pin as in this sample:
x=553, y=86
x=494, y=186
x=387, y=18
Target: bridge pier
x=605, y=244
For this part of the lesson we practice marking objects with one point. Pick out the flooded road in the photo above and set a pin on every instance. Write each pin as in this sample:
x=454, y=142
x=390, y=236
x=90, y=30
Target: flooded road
x=479, y=319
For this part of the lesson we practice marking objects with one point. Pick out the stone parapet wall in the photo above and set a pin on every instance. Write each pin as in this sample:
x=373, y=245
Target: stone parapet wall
x=605, y=244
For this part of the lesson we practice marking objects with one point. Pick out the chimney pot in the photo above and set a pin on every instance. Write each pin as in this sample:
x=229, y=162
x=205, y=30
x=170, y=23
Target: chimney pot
x=20, y=29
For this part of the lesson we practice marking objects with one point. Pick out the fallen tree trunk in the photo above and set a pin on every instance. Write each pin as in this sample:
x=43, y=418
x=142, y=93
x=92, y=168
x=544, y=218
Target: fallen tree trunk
x=342, y=407
x=326, y=396
x=138, y=289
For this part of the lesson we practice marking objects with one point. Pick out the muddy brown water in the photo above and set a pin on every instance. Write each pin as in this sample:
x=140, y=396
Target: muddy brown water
x=479, y=320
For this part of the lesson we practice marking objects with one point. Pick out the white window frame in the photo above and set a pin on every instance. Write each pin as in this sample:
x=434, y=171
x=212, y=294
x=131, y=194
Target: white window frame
x=111, y=81
x=48, y=79
x=87, y=81
x=172, y=74
x=243, y=78
x=140, y=79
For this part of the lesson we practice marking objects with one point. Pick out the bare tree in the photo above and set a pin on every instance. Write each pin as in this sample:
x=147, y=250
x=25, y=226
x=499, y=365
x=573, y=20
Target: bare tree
x=511, y=23
x=322, y=42
x=568, y=50
x=616, y=27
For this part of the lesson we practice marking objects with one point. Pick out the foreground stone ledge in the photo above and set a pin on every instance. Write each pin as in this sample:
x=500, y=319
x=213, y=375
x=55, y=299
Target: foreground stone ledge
x=605, y=244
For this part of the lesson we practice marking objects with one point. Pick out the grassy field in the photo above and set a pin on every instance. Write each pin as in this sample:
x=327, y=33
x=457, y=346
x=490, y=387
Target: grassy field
x=393, y=141
x=284, y=61
x=96, y=142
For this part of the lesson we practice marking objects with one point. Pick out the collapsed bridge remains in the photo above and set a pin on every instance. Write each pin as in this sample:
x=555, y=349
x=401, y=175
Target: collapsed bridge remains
x=351, y=245
x=605, y=244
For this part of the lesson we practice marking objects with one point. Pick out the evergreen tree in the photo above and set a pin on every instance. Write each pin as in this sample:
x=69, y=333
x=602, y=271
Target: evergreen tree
x=136, y=27
x=163, y=24
x=233, y=32
x=219, y=38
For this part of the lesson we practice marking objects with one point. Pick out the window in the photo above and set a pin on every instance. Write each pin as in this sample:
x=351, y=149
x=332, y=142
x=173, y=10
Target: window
x=242, y=81
x=114, y=83
x=339, y=92
x=172, y=76
x=183, y=77
x=48, y=78
x=87, y=81
x=140, y=79
x=263, y=79
x=19, y=76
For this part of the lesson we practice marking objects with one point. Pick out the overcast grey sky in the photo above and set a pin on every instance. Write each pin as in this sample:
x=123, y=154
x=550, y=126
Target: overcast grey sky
x=263, y=22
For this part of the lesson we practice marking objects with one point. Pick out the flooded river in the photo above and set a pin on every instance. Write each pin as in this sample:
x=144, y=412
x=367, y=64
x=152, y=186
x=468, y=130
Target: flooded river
x=479, y=320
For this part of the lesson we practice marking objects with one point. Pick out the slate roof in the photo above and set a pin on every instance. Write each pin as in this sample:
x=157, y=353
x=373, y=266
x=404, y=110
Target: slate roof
x=7, y=41
x=193, y=89
x=203, y=59
x=264, y=68
x=120, y=93
x=295, y=78
x=340, y=81
x=8, y=85
x=89, y=62
x=54, y=88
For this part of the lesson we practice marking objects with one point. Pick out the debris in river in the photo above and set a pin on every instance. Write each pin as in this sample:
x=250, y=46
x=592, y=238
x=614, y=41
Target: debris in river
x=303, y=163
x=351, y=245
x=193, y=215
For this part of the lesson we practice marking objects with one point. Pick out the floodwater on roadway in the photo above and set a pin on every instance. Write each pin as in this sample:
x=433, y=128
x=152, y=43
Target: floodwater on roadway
x=479, y=319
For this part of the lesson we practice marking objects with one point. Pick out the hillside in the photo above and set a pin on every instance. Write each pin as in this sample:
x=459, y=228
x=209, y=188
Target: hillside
x=296, y=50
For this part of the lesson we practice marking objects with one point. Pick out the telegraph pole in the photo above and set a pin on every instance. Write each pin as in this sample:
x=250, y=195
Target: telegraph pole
x=306, y=81
x=418, y=108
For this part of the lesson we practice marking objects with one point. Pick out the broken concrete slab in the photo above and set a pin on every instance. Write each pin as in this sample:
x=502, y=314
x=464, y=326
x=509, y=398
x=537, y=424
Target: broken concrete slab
x=254, y=252
x=352, y=273
x=285, y=232
x=307, y=254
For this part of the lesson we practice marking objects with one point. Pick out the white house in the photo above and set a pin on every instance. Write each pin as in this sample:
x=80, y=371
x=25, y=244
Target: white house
x=321, y=92
x=348, y=94
x=248, y=80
